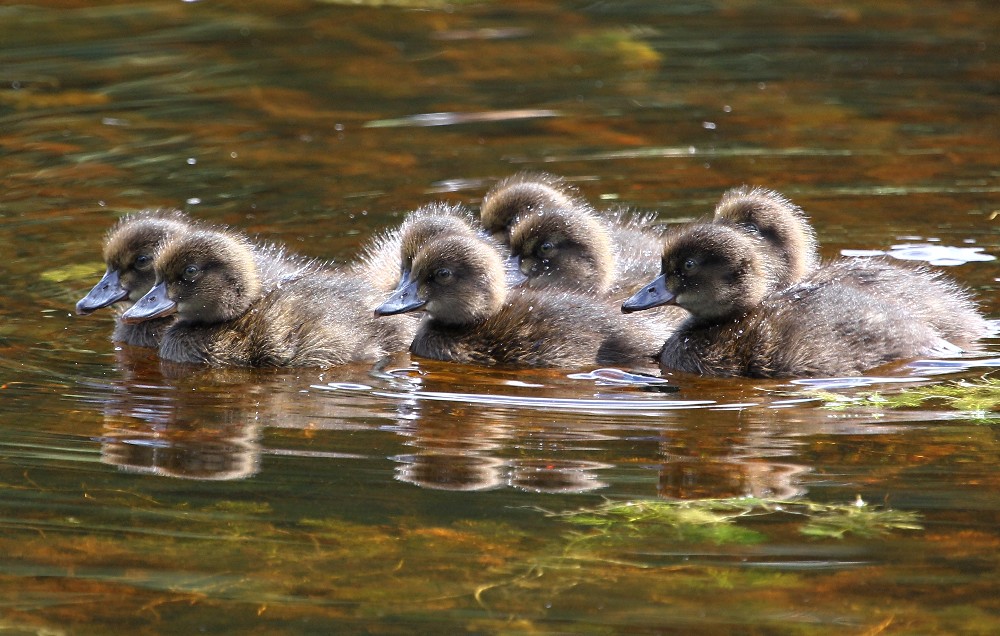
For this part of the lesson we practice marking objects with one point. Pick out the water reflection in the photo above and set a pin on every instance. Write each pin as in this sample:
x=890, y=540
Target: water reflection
x=148, y=430
x=185, y=421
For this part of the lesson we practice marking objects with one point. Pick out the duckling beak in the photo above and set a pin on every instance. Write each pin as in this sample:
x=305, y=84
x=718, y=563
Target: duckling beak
x=106, y=292
x=513, y=273
x=404, y=299
x=652, y=295
x=154, y=304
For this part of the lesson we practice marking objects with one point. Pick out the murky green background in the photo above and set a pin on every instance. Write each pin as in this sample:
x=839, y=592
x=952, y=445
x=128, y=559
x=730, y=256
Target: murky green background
x=147, y=499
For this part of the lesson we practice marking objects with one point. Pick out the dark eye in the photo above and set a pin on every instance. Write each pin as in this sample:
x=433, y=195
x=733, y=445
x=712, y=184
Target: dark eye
x=752, y=228
x=546, y=248
x=191, y=273
x=690, y=264
x=143, y=261
x=442, y=275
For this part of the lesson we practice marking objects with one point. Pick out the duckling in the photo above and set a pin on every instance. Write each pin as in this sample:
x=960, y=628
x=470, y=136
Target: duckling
x=557, y=239
x=523, y=193
x=563, y=248
x=473, y=318
x=789, y=243
x=781, y=227
x=737, y=326
x=129, y=248
x=228, y=314
x=387, y=257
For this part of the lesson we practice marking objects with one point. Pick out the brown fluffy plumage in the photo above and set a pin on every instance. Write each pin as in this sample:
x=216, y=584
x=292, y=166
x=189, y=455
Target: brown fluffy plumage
x=780, y=227
x=821, y=326
x=562, y=242
x=385, y=258
x=523, y=193
x=471, y=317
x=563, y=248
x=129, y=249
x=235, y=306
x=788, y=242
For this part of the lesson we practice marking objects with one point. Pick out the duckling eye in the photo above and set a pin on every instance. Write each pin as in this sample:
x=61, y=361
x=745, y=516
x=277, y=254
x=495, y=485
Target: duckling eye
x=442, y=275
x=690, y=264
x=191, y=273
x=143, y=261
x=546, y=248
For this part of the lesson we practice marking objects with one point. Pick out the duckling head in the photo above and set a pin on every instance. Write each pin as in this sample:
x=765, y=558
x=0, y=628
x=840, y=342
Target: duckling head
x=424, y=225
x=458, y=280
x=521, y=194
x=129, y=250
x=205, y=277
x=778, y=223
x=712, y=271
x=562, y=247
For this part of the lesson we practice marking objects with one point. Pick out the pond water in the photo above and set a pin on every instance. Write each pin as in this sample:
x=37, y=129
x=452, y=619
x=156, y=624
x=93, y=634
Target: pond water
x=422, y=497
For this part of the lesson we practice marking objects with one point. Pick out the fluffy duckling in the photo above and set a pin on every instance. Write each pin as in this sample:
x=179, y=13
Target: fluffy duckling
x=228, y=313
x=818, y=327
x=473, y=318
x=388, y=257
x=129, y=249
x=559, y=240
x=782, y=228
x=523, y=193
x=563, y=248
x=789, y=244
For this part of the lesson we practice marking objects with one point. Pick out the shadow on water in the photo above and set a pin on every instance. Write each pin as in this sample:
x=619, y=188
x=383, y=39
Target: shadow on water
x=422, y=497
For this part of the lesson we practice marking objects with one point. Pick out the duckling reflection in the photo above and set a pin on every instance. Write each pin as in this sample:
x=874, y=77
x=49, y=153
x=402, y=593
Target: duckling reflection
x=129, y=248
x=471, y=317
x=227, y=316
x=387, y=258
x=707, y=478
x=789, y=243
x=558, y=240
x=464, y=447
x=557, y=475
x=785, y=236
x=819, y=326
x=193, y=453
x=147, y=431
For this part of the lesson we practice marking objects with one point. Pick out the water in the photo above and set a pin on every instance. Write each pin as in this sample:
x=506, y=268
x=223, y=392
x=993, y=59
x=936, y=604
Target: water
x=423, y=497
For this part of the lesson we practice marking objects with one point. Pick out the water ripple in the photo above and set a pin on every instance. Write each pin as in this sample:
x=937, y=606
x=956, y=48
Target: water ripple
x=546, y=403
x=941, y=255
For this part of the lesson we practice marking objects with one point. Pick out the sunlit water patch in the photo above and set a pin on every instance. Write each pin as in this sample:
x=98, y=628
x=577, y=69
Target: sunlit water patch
x=932, y=253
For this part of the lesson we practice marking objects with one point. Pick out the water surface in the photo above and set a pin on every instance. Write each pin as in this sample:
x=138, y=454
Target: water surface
x=422, y=497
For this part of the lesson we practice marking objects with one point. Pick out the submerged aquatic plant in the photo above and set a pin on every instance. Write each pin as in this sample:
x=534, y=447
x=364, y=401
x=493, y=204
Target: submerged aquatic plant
x=714, y=519
x=979, y=397
x=858, y=519
x=617, y=539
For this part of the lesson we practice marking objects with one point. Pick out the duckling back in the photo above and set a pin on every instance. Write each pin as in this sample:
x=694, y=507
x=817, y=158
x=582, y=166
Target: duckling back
x=472, y=317
x=815, y=328
x=544, y=329
x=925, y=295
x=319, y=319
x=237, y=305
x=785, y=236
x=827, y=324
